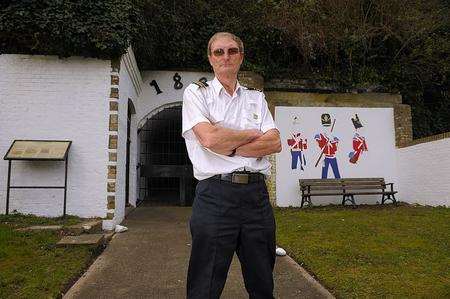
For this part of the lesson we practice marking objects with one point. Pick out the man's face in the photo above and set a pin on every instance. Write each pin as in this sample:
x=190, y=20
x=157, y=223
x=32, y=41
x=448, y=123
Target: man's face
x=224, y=59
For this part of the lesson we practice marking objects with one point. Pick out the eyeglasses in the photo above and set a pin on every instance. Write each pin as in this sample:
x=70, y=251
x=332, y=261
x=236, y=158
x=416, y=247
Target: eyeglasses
x=220, y=52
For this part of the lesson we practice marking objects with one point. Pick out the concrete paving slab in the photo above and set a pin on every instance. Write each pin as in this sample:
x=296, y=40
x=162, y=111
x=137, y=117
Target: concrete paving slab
x=86, y=227
x=87, y=239
x=40, y=227
x=151, y=259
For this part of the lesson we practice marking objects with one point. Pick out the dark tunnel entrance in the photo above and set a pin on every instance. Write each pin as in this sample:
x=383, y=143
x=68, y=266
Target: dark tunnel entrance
x=166, y=176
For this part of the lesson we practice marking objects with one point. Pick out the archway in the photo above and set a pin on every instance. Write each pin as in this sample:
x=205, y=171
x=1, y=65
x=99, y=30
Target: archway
x=165, y=169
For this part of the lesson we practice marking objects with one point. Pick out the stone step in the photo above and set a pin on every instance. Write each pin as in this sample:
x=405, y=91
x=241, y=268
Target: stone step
x=85, y=239
x=109, y=235
x=89, y=227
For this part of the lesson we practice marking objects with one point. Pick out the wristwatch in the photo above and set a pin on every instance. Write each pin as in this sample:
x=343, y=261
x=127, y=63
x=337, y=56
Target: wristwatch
x=232, y=153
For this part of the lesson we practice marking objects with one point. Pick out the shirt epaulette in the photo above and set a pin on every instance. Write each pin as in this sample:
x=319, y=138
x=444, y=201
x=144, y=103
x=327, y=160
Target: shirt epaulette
x=252, y=88
x=201, y=84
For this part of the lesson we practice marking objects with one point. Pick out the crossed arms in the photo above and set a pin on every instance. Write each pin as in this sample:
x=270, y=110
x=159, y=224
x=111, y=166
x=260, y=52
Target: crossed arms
x=248, y=143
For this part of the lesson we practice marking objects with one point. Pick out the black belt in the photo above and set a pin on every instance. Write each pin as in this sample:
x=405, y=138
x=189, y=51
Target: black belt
x=240, y=177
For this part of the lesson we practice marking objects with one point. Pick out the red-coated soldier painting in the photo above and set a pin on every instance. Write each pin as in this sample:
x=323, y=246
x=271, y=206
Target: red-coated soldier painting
x=297, y=144
x=328, y=144
x=359, y=142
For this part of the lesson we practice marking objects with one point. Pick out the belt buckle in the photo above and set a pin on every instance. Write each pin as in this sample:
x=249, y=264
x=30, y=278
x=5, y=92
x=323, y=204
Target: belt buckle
x=239, y=178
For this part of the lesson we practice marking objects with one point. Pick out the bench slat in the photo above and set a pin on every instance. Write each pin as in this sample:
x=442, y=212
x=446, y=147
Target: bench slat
x=324, y=188
x=347, y=186
x=348, y=193
x=333, y=182
x=369, y=193
x=363, y=187
x=324, y=194
x=338, y=180
x=363, y=183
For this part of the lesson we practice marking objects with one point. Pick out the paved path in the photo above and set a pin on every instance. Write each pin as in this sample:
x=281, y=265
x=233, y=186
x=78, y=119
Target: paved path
x=150, y=261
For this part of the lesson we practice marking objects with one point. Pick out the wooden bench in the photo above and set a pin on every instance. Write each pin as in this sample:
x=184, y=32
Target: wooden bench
x=347, y=187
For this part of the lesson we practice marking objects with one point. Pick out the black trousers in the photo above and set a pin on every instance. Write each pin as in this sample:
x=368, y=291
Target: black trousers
x=227, y=218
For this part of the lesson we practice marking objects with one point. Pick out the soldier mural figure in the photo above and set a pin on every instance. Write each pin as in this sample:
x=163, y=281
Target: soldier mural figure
x=359, y=142
x=297, y=145
x=328, y=146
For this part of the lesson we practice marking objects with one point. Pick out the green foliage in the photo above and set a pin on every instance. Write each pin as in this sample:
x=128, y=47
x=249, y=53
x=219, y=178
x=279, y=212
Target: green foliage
x=397, y=46
x=177, y=32
x=401, y=45
x=101, y=28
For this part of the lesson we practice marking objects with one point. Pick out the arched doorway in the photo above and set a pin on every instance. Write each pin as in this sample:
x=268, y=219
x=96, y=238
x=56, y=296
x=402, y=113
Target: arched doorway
x=165, y=169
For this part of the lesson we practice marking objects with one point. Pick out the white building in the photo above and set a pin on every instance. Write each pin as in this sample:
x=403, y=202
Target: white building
x=122, y=123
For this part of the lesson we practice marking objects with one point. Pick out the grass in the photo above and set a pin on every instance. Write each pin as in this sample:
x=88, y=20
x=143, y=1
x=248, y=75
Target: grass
x=30, y=264
x=372, y=251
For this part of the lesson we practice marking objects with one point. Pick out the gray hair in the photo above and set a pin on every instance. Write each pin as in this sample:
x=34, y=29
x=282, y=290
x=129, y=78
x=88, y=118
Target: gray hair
x=225, y=34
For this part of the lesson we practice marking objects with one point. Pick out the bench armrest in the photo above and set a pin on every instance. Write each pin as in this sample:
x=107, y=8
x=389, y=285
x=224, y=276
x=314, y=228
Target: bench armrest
x=392, y=186
x=306, y=189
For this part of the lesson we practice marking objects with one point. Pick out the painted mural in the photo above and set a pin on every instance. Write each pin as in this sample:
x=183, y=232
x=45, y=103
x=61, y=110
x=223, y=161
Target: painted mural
x=332, y=142
x=327, y=142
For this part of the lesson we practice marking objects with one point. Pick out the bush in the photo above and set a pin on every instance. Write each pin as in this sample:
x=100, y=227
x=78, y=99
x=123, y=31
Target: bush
x=102, y=28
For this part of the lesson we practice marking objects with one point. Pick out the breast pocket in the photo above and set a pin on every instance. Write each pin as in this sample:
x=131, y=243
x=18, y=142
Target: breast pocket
x=253, y=116
x=216, y=111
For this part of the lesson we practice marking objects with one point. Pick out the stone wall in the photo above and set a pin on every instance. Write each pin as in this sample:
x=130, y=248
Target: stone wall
x=113, y=116
x=251, y=79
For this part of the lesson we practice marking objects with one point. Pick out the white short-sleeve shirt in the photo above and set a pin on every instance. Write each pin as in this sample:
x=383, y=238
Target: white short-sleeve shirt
x=246, y=109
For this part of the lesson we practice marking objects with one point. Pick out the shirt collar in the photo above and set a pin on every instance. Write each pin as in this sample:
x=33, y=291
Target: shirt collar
x=218, y=87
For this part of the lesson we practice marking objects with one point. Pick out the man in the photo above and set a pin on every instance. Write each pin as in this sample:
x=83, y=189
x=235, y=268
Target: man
x=229, y=132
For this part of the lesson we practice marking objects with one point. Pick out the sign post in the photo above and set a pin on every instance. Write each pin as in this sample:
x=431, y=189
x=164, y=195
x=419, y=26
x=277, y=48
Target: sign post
x=38, y=150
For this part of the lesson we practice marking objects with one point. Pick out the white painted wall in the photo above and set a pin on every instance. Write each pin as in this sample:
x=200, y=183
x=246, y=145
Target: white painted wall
x=44, y=97
x=379, y=161
x=424, y=173
x=149, y=100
